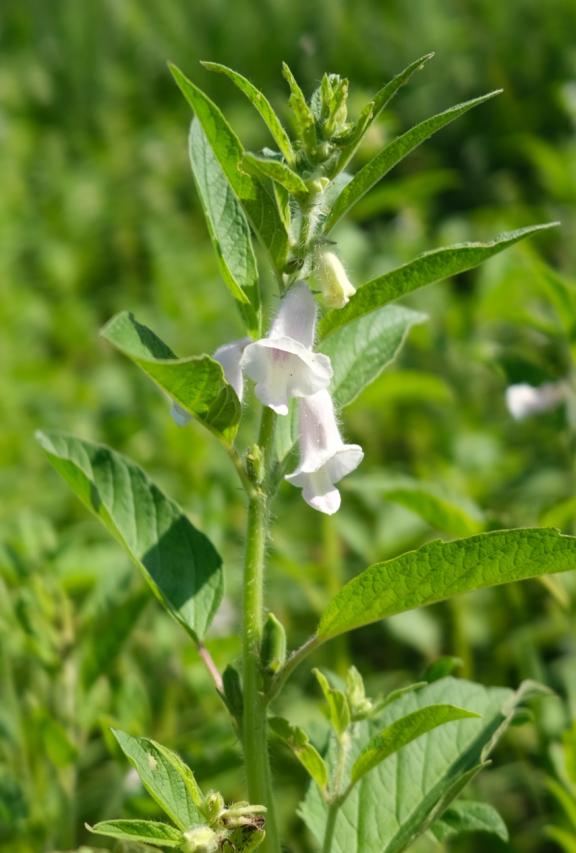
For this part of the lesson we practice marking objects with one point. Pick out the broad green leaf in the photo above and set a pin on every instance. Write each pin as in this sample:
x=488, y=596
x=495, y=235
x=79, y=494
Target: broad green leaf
x=180, y=563
x=402, y=732
x=440, y=570
x=259, y=207
x=166, y=778
x=338, y=708
x=304, y=120
x=275, y=170
x=361, y=350
x=297, y=740
x=465, y=816
x=261, y=104
x=143, y=831
x=388, y=809
x=425, y=269
x=446, y=512
x=228, y=227
x=392, y=154
x=197, y=383
x=373, y=109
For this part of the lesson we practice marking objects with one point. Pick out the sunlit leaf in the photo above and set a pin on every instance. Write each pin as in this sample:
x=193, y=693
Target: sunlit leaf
x=425, y=269
x=180, y=563
x=440, y=570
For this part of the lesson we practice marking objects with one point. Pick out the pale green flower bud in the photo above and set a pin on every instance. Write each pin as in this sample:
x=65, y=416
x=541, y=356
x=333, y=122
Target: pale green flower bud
x=335, y=284
x=200, y=839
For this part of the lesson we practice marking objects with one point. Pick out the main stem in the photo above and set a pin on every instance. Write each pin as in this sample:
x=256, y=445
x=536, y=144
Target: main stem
x=255, y=734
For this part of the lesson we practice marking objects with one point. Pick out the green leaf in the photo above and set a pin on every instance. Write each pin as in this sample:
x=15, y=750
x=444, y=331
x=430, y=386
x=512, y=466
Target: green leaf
x=392, y=154
x=166, y=778
x=469, y=816
x=338, y=708
x=361, y=350
x=402, y=732
x=259, y=207
x=440, y=570
x=143, y=831
x=425, y=269
x=304, y=120
x=261, y=104
x=389, y=809
x=275, y=170
x=227, y=226
x=196, y=383
x=298, y=741
x=446, y=512
x=373, y=109
x=180, y=563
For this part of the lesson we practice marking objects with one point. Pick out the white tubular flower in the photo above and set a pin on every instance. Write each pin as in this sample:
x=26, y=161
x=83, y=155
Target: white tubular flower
x=228, y=356
x=523, y=400
x=324, y=458
x=283, y=364
x=336, y=286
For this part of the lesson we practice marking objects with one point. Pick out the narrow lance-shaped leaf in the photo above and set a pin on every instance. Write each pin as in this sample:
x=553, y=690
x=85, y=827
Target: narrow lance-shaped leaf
x=228, y=227
x=180, y=563
x=197, y=383
x=297, y=740
x=261, y=103
x=276, y=171
x=402, y=732
x=259, y=207
x=143, y=831
x=440, y=570
x=392, y=154
x=373, y=109
x=425, y=269
x=338, y=707
x=303, y=116
x=166, y=778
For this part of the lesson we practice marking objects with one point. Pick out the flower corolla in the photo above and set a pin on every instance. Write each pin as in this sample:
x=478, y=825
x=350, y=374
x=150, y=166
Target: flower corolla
x=324, y=457
x=283, y=364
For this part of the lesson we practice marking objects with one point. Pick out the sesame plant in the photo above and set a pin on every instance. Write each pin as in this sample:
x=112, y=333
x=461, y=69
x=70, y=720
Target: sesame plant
x=390, y=768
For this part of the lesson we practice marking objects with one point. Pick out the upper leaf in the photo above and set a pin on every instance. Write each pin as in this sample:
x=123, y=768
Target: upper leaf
x=392, y=154
x=181, y=564
x=373, y=109
x=440, y=570
x=228, y=227
x=402, y=732
x=261, y=103
x=426, y=268
x=143, y=831
x=196, y=383
x=259, y=206
x=166, y=778
x=361, y=350
x=276, y=171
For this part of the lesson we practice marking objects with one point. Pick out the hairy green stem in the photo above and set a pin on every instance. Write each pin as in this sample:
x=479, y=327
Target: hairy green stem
x=337, y=798
x=254, y=718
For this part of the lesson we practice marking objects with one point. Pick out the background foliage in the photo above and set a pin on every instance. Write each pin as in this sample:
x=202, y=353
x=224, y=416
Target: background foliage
x=99, y=214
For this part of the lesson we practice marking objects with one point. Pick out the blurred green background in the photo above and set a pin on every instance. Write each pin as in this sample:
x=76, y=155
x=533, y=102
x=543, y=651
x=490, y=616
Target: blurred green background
x=99, y=214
